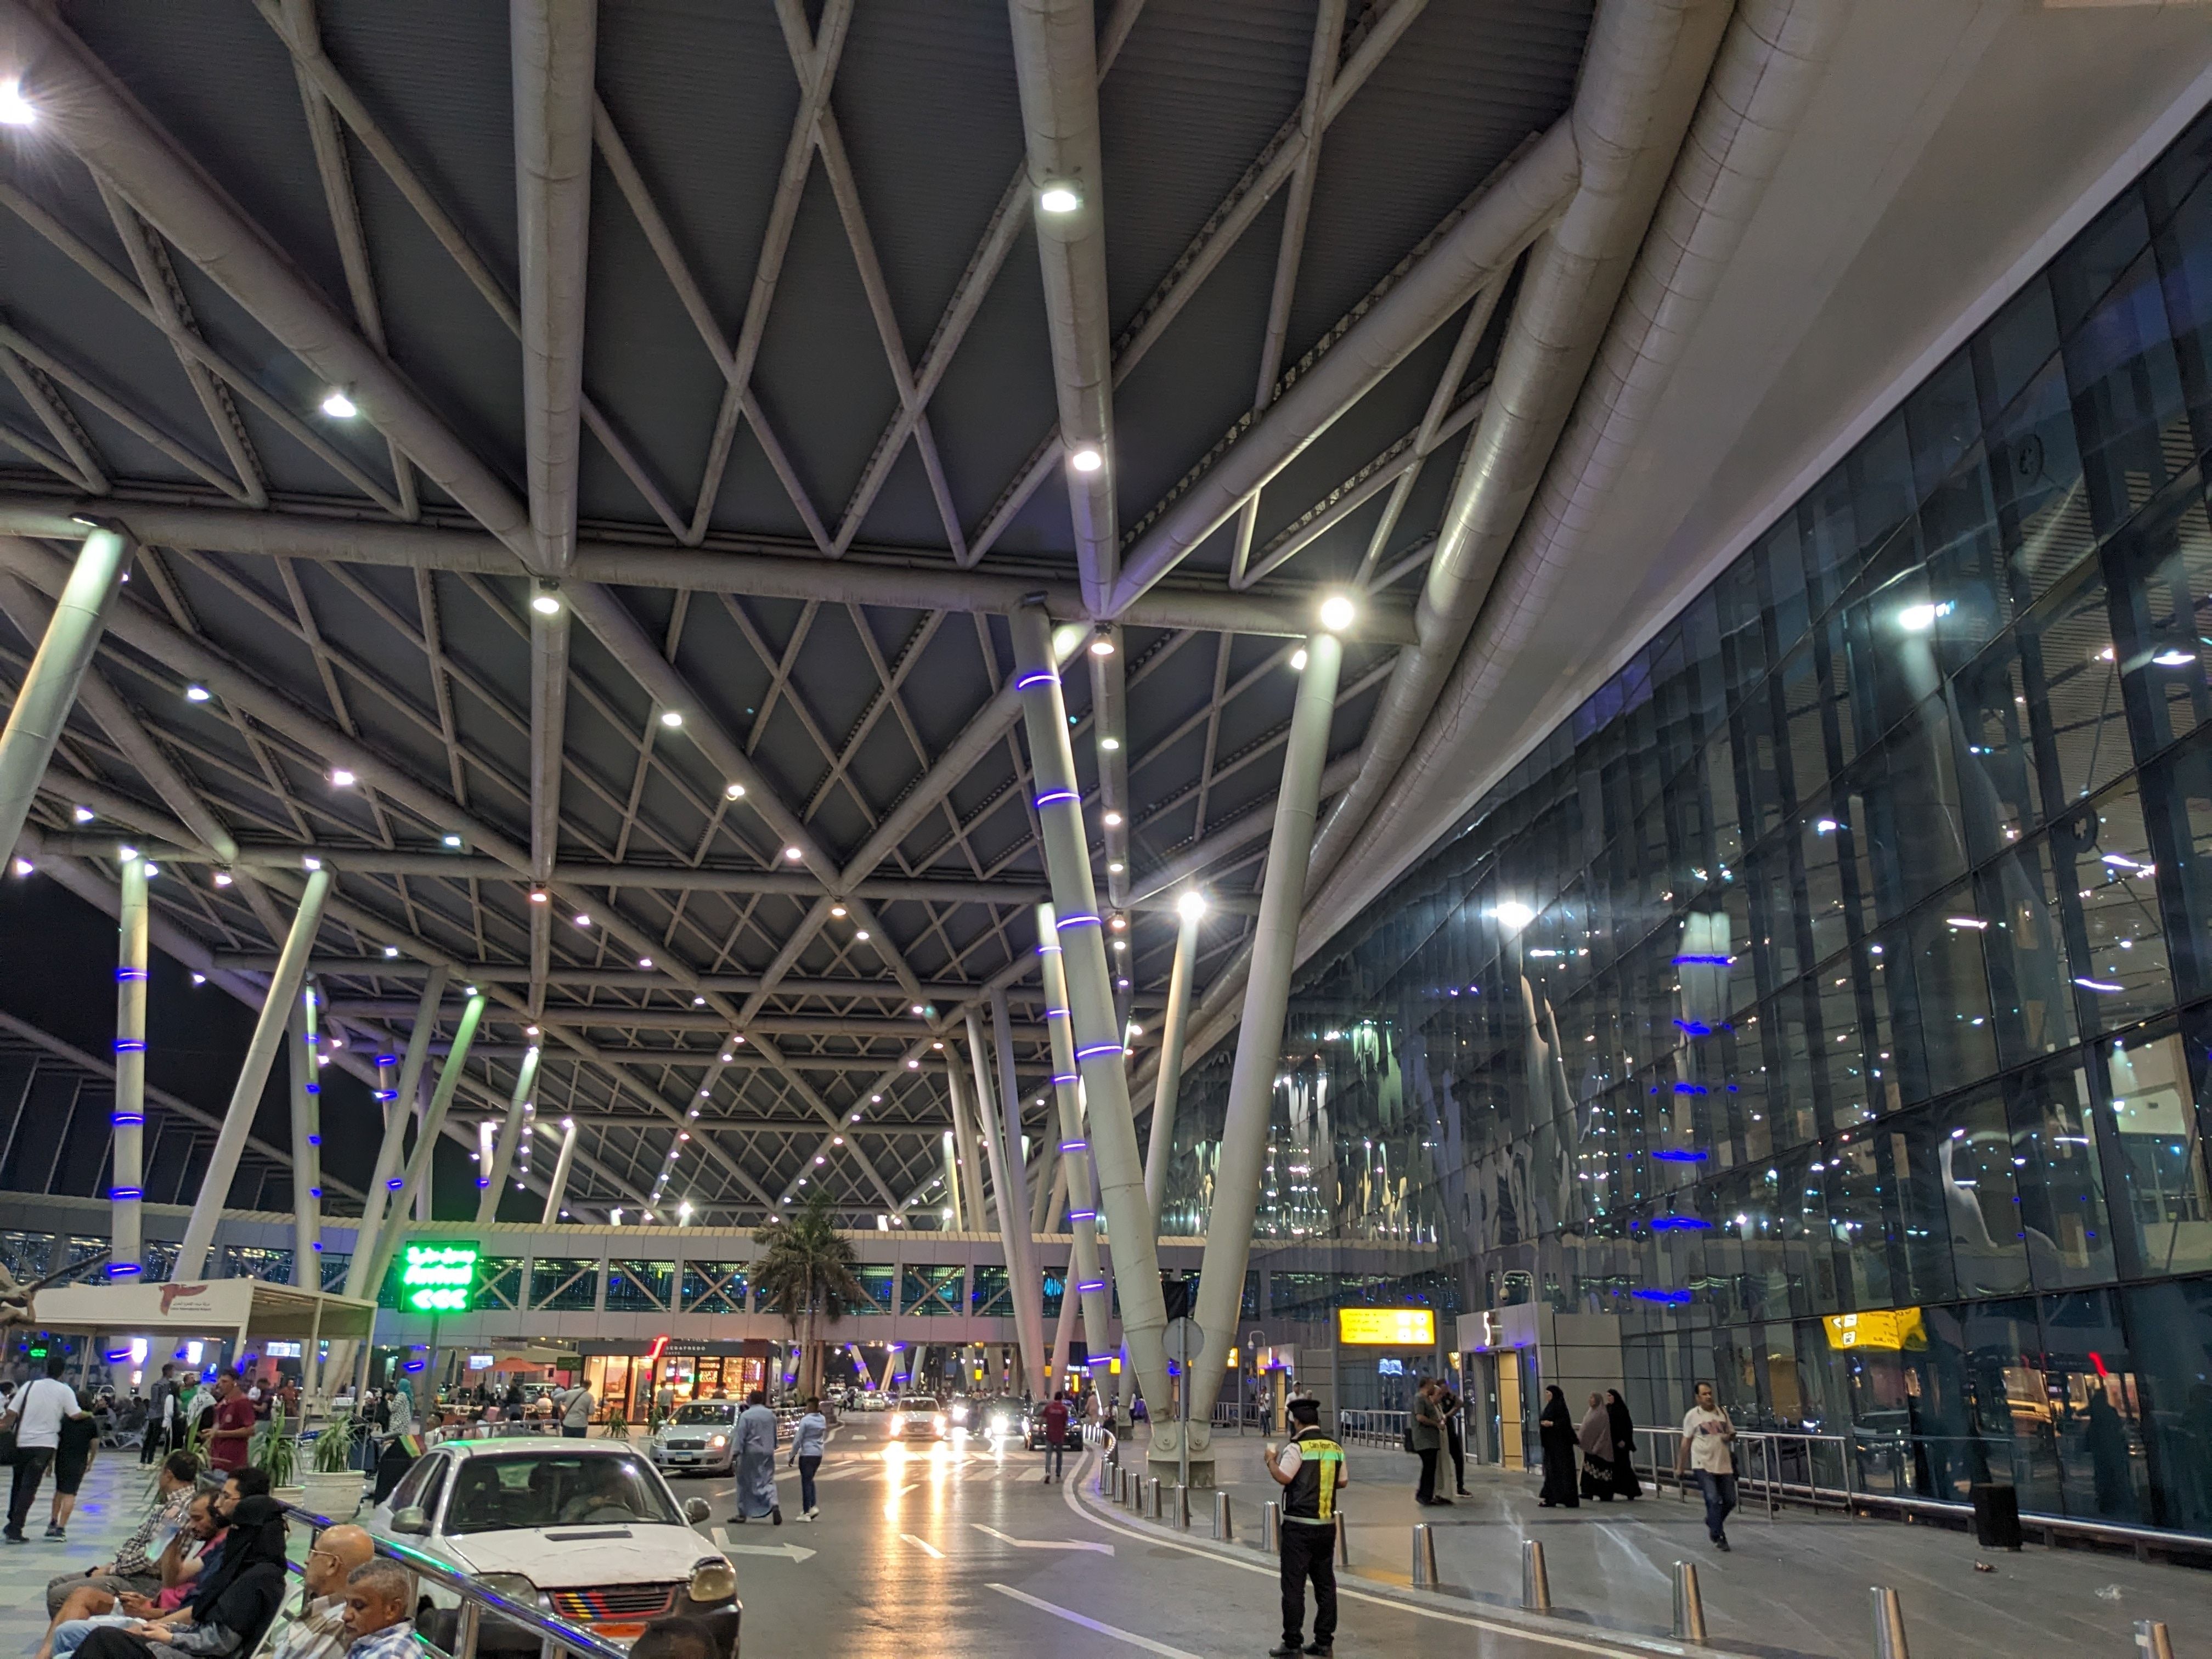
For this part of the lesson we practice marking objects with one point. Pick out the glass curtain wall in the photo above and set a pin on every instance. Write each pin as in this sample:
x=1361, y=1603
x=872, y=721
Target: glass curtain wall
x=1849, y=953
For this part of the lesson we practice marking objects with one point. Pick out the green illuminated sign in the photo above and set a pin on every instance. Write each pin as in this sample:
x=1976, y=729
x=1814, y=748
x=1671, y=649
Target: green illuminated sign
x=439, y=1277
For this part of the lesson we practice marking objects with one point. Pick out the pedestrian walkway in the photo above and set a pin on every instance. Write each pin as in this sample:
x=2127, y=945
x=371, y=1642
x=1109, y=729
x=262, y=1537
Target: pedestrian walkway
x=1798, y=1584
x=110, y=1503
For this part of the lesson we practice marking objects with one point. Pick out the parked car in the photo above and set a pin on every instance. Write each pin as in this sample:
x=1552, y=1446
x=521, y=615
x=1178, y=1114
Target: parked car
x=918, y=1416
x=700, y=1437
x=585, y=1529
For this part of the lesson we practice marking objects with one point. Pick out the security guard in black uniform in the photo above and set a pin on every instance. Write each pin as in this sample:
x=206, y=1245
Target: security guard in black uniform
x=1310, y=1469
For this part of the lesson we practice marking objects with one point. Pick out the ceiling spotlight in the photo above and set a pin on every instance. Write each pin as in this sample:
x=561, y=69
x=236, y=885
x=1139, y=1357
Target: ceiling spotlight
x=1299, y=661
x=81, y=814
x=1337, y=613
x=17, y=111
x=838, y=911
x=1114, y=866
x=449, y=841
x=1121, y=984
x=222, y=877
x=539, y=896
x=1513, y=915
x=645, y=962
x=583, y=921
x=792, y=855
x=698, y=1002
x=861, y=934
x=914, y=1066
x=1101, y=645
x=341, y=779
x=1088, y=460
x=339, y=407
x=734, y=792
x=199, y=979
x=529, y=1030
x=1119, y=923
x=1057, y=198
x=389, y=952
x=1113, y=820
x=873, y=1100
x=196, y=694
x=310, y=862
x=546, y=601
x=24, y=866
x=670, y=719
x=1191, y=906
x=917, y=1007
x=1109, y=744
x=725, y=1058
x=1919, y=618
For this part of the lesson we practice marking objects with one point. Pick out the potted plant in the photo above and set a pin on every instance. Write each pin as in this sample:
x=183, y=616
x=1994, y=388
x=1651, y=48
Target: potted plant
x=277, y=1454
x=618, y=1423
x=332, y=1486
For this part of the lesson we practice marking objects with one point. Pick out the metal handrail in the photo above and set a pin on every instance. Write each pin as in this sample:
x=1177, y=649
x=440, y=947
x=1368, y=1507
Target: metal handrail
x=1379, y=1428
x=557, y=1634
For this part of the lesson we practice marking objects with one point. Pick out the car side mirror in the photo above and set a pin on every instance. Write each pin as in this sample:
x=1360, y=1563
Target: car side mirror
x=411, y=1521
x=695, y=1510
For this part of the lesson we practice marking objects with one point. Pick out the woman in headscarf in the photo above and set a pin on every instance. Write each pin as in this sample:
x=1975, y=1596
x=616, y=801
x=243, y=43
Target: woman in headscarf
x=1595, y=1437
x=1555, y=1430
x=1624, y=1446
x=230, y=1612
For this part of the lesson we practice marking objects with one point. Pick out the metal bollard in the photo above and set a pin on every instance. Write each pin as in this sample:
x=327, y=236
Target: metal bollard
x=2151, y=1639
x=1536, y=1581
x=1271, y=1527
x=1888, y=1624
x=1221, y=1525
x=1343, y=1544
x=1689, y=1608
x=1181, y=1508
x=1155, y=1502
x=467, y=1630
x=1424, y=1556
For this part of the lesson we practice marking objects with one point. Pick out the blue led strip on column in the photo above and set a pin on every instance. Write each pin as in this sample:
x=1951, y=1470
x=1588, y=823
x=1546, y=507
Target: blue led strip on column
x=1040, y=677
x=130, y=975
x=124, y=1120
x=124, y=1194
x=1097, y=1049
x=130, y=1046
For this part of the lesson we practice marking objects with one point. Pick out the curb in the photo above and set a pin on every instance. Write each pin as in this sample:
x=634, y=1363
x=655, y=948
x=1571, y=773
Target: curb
x=1458, y=1606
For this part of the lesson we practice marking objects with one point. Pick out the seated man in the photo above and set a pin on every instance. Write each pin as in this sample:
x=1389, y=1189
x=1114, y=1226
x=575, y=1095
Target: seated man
x=377, y=1596
x=317, y=1630
x=132, y=1568
x=193, y=1550
x=604, y=1497
x=234, y=1604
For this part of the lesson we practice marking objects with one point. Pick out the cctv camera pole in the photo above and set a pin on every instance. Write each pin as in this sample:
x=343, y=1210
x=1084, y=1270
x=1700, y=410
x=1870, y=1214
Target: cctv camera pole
x=1259, y=1035
x=1167, y=1083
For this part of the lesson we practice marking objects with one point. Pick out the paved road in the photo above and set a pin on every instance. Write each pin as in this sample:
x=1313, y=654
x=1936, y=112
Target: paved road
x=963, y=1550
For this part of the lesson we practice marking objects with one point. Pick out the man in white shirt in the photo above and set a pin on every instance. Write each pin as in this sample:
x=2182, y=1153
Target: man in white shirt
x=1704, y=1446
x=38, y=1408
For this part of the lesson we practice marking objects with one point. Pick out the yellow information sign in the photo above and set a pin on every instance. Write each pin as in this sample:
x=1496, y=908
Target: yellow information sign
x=1386, y=1328
x=1890, y=1330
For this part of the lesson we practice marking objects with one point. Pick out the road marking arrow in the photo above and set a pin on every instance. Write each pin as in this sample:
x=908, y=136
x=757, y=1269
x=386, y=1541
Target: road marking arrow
x=788, y=1551
x=1042, y=1543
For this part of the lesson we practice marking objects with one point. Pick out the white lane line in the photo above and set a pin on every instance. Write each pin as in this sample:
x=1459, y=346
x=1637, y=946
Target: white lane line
x=924, y=1545
x=1042, y=1543
x=722, y=1536
x=1627, y=1644
x=1072, y=1618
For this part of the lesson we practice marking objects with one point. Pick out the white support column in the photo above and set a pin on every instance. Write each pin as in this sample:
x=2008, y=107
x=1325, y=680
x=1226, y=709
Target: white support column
x=971, y=1216
x=306, y=1143
x=510, y=1135
x=1259, y=1035
x=291, y=972
x=49, y=687
x=1098, y=1046
x=1191, y=908
x=398, y=1111
x=127, y=1184
x=1005, y=1151
x=557, y=1189
x=1088, y=1284
x=956, y=1198
x=416, y=1181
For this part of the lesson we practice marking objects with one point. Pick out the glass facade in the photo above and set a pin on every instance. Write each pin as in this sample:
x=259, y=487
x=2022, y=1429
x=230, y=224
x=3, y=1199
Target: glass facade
x=1851, y=951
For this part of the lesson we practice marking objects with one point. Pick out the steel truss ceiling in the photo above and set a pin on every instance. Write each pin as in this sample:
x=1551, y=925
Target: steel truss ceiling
x=730, y=327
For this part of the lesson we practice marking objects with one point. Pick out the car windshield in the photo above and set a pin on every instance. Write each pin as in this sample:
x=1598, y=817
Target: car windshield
x=918, y=1402
x=707, y=1411
x=548, y=1489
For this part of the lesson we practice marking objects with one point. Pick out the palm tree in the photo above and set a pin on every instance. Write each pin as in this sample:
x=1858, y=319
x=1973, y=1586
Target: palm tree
x=806, y=1273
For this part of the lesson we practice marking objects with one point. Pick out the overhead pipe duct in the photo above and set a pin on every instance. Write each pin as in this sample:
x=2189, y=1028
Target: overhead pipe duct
x=1056, y=66
x=1099, y=1052
x=50, y=686
x=89, y=113
x=1773, y=56
x=1476, y=252
x=763, y=573
x=1645, y=64
x=253, y=1077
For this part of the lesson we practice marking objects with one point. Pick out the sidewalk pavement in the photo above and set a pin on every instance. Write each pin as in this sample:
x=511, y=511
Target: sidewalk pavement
x=110, y=1503
x=1798, y=1584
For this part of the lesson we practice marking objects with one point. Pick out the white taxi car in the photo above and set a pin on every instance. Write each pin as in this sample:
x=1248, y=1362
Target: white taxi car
x=587, y=1529
x=700, y=1439
x=919, y=1417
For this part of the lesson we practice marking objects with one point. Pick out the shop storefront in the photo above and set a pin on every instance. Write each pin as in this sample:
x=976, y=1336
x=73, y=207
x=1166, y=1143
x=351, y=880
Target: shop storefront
x=620, y=1374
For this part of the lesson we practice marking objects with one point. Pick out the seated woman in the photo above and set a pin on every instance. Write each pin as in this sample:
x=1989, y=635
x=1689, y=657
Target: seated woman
x=229, y=1614
x=90, y=1603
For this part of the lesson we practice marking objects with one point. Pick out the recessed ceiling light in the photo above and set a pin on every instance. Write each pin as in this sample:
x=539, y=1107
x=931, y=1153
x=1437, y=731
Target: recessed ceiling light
x=339, y=407
x=1109, y=744
x=449, y=841
x=81, y=814
x=1088, y=459
x=389, y=952
x=16, y=110
x=1337, y=613
x=645, y=962
x=861, y=934
x=196, y=694
x=1115, y=867
x=1060, y=199
x=222, y=877
x=545, y=602
x=1101, y=645
x=670, y=719
x=539, y=896
x=735, y=791
x=1113, y=820
x=583, y=921
x=791, y=855
x=341, y=779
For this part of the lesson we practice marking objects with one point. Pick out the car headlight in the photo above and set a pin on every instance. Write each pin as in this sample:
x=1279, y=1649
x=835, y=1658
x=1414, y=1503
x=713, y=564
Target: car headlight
x=938, y=1420
x=899, y=1422
x=712, y=1580
x=719, y=1442
x=960, y=1413
x=513, y=1585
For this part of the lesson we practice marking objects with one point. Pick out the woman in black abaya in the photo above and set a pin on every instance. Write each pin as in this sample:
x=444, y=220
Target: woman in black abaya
x=1555, y=1429
x=1625, y=1483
